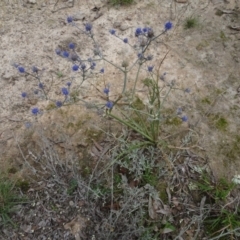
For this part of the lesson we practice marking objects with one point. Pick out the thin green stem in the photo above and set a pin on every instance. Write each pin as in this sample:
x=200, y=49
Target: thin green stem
x=135, y=83
x=119, y=68
x=131, y=126
x=125, y=81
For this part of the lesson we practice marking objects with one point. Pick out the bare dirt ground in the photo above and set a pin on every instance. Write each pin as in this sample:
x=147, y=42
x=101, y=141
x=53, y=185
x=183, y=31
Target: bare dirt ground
x=205, y=59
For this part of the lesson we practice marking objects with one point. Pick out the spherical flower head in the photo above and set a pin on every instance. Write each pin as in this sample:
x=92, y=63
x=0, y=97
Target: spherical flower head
x=24, y=94
x=102, y=70
x=65, y=91
x=40, y=85
x=138, y=32
x=83, y=66
x=109, y=105
x=59, y=104
x=93, y=65
x=168, y=26
x=106, y=91
x=75, y=67
x=112, y=31
x=150, y=33
x=69, y=19
x=36, y=91
x=150, y=68
x=187, y=90
x=88, y=27
x=58, y=51
x=74, y=57
x=125, y=40
x=179, y=111
x=68, y=84
x=35, y=69
x=150, y=57
x=145, y=29
x=35, y=111
x=184, y=118
x=21, y=69
x=140, y=56
x=65, y=54
x=28, y=124
x=71, y=45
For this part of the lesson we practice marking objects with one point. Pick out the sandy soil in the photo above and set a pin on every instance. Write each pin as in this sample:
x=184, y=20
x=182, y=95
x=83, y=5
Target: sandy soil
x=205, y=59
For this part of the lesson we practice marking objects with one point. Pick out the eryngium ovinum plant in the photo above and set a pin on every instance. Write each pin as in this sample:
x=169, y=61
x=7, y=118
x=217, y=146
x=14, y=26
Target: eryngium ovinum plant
x=146, y=121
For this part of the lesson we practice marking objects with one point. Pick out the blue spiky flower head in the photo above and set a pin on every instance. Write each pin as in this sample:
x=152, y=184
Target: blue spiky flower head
x=125, y=40
x=168, y=25
x=145, y=29
x=93, y=65
x=106, y=90
x=71, y=45
x=138, y=32
x=150, y=33
x=58, y=51
x=83, y=66
x=112, y=31
x=65, y=91
x=88, y=27
x=69, y=19
x=40, y=85
x=59, y=104
x=75, y=67
x=150, y=57
x=24, y=94
x=109, y=105
x=150, y=68
x=35, y=111
x=179, y=111
x=68, y=84
x=140, y=56
x=102, y=70
x=184, y=118
x=35, y=69
x=65, y=54
x=21, y=69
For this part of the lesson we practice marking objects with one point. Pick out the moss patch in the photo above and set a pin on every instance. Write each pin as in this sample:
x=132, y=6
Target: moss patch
x=50, y=106
x=175, y=121
x=221, y=124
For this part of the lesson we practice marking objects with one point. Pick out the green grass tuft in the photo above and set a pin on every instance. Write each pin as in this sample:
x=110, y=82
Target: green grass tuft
x=121, y=2
x=190, y=22
x=8, y=199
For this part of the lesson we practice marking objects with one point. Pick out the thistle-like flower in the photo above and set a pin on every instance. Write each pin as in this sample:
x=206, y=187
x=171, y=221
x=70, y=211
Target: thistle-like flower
x=71, y=45
x=168, y=26
x=109, y=105
x=65, y=91
x=112, y=31
x=21, y=69
x=35, y=111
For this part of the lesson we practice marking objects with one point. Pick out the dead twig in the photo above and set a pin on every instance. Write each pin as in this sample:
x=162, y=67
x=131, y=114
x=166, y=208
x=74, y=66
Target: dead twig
x=53, y=11
x=235, y=28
